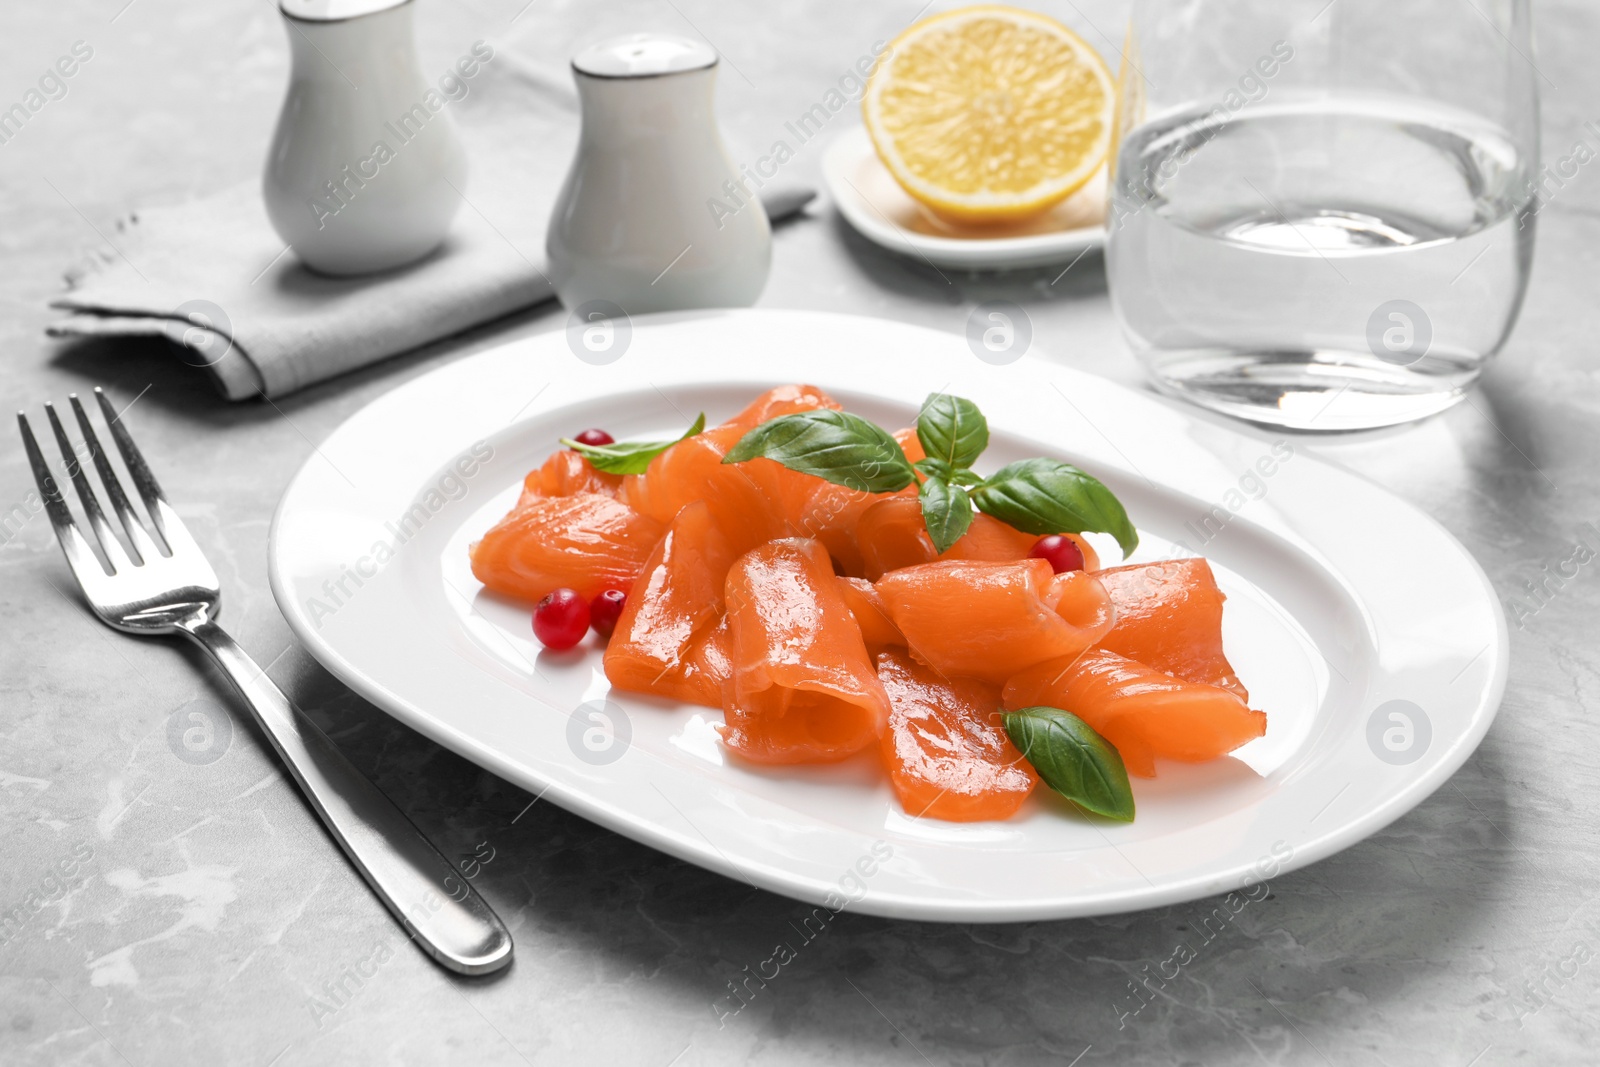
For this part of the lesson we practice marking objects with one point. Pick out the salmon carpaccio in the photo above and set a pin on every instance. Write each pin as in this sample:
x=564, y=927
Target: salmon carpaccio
x=670, y=640
x=1169, y=616
x=892, y=535
x=1144, y=712
x=823, y=623
x=803, y=688
x=566, y=473
x=758, y=500
x=586, y=541
x=989, y=620
x=871, y=615
x=947, y=754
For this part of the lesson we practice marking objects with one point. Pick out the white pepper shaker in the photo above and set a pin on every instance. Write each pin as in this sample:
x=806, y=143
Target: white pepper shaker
x=365, y=166
x=653, y=215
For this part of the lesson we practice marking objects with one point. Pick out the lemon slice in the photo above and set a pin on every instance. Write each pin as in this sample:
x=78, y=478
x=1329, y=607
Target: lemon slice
x=990, y=113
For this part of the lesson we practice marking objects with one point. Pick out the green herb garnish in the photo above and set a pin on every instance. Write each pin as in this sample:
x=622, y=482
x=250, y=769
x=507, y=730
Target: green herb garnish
x=1038, y=496
x=1073, y=760
x=833, y=445
x=946, y=511
x=952, y=430
x=1045, y=496
x=629, y=457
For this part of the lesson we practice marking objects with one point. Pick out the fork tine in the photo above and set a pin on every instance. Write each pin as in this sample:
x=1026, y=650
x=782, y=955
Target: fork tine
x=86, y=567
x=143, y=547
x=167, y=523
x=116, y=556
x=143, y=480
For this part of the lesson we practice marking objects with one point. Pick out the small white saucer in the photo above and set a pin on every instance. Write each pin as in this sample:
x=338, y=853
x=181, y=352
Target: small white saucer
x=874, y=204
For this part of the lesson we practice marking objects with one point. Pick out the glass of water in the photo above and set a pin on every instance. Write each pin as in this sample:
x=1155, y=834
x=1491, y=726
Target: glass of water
x=1322, y=212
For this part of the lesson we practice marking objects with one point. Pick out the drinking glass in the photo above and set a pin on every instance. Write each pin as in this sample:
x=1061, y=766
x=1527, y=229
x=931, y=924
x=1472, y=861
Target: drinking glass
x=1322, y=213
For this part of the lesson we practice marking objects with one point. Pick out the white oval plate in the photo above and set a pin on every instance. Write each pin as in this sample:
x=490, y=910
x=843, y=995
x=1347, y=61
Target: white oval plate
x=1342, y=598
x=873, y=203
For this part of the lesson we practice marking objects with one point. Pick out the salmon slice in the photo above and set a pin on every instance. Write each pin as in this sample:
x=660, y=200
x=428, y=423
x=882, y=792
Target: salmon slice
x=760, y=499
x=877, y=629
x=833, y=522
x=786, y=491
x=779, y=401
x=699, y=677
x=988, y=538
x=832, y=513
x=693, y=470
x=1169, y=616
x=892, y=534
x=658, y=646
x=1142, y=711
x=947, y=754
x=704, y=672
x=809, y=506
x=785, y=495
x=757, y=500
x=566, y=473
x=586, y=541
x=753, y=502
x=911, y=444
x=990, y=620
x=801, y=505
x=711, y=665
x=803, y=688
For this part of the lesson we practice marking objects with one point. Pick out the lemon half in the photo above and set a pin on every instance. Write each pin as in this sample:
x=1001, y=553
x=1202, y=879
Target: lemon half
x=990, y=113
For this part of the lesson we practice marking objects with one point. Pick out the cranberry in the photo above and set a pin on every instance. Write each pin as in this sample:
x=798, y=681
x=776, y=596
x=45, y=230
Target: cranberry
x=561, y=619
x=1060, y=551
x=595, y=438
x=605, y=609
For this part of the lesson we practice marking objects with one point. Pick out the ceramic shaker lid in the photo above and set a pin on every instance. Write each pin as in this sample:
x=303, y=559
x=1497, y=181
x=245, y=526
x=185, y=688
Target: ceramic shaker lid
x=334, y=10
x=644, y=55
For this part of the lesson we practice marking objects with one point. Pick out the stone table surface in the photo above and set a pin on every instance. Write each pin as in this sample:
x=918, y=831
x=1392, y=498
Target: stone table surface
x=204, y=917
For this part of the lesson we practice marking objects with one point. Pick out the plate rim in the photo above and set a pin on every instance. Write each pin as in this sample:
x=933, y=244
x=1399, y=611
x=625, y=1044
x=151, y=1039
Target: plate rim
x=904, y=906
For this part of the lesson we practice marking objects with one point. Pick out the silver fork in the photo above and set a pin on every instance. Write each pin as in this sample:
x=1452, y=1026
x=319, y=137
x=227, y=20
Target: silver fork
x=152, y=592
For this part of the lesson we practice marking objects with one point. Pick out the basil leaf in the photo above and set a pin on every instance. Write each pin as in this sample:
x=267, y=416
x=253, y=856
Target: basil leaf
x=629, y=457
x=952, y=429
x=833, y=445
x=937, y=468
x=1073, y=760
x=946, y=512
x=1045, y=496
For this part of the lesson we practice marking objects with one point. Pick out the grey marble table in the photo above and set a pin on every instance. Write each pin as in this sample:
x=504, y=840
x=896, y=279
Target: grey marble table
x=182, y=912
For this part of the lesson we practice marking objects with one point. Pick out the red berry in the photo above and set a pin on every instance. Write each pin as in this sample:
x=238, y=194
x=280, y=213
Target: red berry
x=561, y=619
x=595, y=437
x=605, y=609
x=1062, y=553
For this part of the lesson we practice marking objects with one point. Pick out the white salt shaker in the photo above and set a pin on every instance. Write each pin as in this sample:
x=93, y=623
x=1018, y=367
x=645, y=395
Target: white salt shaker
x=365, y=165
x=653, y=216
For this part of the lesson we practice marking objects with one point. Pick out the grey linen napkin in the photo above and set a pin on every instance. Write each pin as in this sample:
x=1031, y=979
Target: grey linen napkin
x=212, y=275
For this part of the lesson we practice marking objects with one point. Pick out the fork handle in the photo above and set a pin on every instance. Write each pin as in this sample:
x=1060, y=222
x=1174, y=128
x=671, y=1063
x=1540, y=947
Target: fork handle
x=425, y=892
